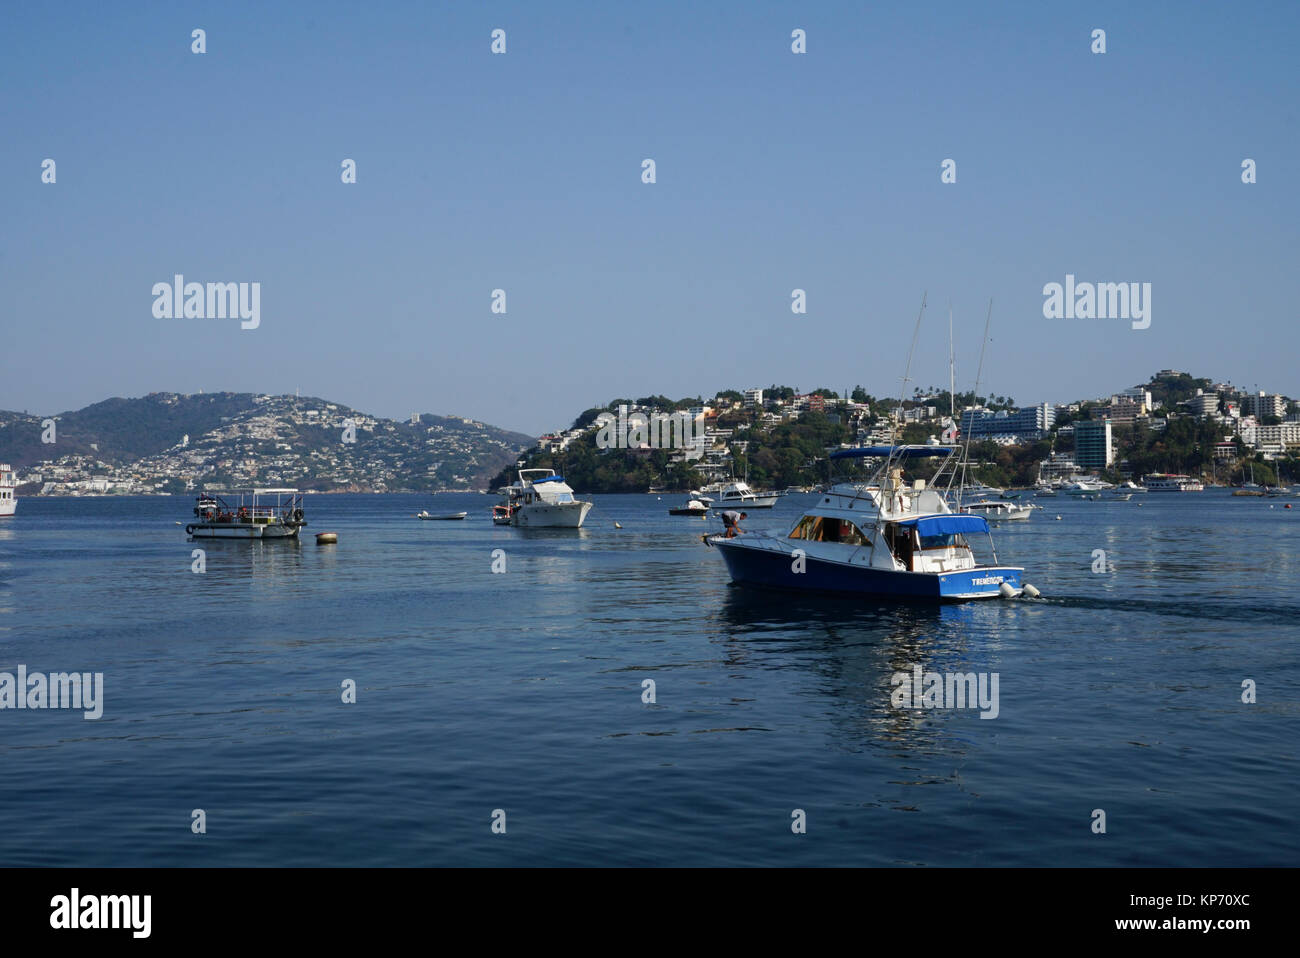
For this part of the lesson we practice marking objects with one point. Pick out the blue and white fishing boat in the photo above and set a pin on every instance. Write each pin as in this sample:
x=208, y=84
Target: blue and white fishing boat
x=889, y=536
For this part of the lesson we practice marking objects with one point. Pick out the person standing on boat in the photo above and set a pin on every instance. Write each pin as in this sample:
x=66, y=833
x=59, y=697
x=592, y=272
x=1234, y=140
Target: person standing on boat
x=731, y=523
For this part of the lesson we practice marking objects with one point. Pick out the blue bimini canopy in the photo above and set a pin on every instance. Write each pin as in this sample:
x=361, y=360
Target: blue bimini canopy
x=538, y=482
x=884, y=452
x=947, y=525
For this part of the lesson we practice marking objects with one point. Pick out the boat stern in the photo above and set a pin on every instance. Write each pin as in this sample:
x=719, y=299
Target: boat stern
x=980, y=583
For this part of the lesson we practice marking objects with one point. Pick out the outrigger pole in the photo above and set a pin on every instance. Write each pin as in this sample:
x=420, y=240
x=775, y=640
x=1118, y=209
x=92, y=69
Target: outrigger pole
x=979, y=373
x=952, y=372
x=902, y=390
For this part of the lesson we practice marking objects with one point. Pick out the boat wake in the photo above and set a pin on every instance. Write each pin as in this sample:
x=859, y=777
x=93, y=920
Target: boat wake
x=1181, y=607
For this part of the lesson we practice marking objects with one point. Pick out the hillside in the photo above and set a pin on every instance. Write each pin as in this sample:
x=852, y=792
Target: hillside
x=169, y=441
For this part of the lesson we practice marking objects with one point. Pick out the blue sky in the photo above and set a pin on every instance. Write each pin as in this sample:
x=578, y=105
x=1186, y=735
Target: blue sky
x=522, y=171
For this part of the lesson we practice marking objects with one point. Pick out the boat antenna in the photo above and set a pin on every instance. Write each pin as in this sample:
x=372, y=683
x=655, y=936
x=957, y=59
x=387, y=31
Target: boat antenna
x=979, y=373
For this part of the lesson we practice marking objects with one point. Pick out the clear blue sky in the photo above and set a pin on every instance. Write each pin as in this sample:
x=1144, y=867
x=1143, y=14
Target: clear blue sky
x=522, y=171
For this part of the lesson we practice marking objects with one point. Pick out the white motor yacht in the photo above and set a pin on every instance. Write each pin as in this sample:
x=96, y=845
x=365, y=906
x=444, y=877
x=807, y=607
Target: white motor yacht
x=1171, y=482
x=996, y=510
x=738, y=495
x=541, y=499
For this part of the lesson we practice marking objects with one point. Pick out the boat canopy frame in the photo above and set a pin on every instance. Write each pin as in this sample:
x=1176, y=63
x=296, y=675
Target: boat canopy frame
x=953, y=466
x=282, y=510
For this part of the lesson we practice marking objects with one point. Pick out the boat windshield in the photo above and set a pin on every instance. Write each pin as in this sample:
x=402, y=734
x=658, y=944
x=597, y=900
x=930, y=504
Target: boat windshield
x=951, y=541
x=827, y=529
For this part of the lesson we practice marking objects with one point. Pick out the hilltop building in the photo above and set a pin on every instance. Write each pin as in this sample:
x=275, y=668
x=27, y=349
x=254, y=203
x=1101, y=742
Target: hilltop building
x=1262, y=404
x=1024, y=425
x=1092, y=443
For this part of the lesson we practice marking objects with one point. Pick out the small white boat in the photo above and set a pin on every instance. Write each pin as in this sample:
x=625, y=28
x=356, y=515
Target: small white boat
x=1087, y=488
x=977, y=490
x=693, y=507
x=1171, y=482
x=738, y=495
x=251, y=518
x=445, y=515
x=997, y=510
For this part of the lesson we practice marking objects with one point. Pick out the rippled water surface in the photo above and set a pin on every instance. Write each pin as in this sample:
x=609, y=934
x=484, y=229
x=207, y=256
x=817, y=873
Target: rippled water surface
x=522, y=691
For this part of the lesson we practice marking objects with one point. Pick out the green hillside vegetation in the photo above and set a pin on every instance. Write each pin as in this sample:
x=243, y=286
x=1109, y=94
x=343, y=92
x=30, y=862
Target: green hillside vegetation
x=123, y=429
x=240, y=438
x=790, y=454
x=794, y=453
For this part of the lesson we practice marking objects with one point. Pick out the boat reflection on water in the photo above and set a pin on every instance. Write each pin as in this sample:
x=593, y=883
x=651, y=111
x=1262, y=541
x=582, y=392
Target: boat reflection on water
x=550, y=532
x=268, y=565
x=854, y=648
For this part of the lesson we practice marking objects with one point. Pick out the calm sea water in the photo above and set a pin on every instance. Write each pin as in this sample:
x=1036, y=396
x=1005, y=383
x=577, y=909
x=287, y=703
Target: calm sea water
x=522, y=691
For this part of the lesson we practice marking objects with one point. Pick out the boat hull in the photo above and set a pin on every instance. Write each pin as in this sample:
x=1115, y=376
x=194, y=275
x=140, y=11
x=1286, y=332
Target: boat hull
x=235, y=530
x=774, y=568
x=548, y=515
x=758, y=502
x=1006, y=513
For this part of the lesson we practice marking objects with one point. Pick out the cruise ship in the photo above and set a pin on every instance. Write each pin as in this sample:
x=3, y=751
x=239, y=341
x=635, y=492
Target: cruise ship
x=1171, y=482
x=7, y=484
